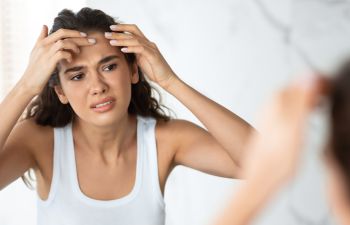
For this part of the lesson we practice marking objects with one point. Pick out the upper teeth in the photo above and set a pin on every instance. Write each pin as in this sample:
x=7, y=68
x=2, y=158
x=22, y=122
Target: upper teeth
x=103, y=104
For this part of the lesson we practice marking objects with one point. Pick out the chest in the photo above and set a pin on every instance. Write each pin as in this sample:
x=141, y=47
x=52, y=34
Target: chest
x=98, y=180
x=101, y=180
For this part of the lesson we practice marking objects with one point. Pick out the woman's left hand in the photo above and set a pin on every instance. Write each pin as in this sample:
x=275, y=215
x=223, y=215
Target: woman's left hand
x=149, y=58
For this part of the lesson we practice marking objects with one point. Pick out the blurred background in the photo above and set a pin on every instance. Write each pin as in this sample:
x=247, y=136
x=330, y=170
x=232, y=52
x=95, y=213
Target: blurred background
x=237, y=52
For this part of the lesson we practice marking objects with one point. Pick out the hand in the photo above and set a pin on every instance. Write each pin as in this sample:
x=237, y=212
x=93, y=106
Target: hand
x=47, y=52
x=148, y=57
x=273, y=154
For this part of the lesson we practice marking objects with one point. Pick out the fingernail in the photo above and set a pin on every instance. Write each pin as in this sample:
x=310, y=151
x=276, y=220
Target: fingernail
x=91, y=40
x=113, y=27
x=83, y=34
x=124, y=49
x=113, y=42
x=108, y=34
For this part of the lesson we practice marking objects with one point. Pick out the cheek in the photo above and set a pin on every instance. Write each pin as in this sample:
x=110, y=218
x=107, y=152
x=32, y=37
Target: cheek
x=75, y=95
x=121, y=81
x=122, y=90
x=77, y=101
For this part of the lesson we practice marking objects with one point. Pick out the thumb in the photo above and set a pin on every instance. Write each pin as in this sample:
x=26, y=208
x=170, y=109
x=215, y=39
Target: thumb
x=306, y=89
x=43, y=33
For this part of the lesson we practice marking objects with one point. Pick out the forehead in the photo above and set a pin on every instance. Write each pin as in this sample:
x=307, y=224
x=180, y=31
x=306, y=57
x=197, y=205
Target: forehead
x=91, y=54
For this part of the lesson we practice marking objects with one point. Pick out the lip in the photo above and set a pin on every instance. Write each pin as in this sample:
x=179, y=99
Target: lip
x=104, y=108
x=107, y=99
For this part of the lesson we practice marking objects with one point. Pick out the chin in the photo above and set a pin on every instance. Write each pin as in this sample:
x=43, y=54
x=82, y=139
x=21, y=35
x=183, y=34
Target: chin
x=105, y=120
x=108, y=119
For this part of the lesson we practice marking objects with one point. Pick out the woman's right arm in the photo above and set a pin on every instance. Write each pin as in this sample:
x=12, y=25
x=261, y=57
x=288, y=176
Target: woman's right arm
x=20, y=159
x=16, y=143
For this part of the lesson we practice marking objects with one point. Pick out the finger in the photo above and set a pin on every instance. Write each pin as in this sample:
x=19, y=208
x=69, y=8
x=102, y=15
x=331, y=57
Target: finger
x=118, y=35
x=137, y=50
x=292, y=103
x=63, y=33
x=43, y=33
x=308, y=89
x=65, y=44
x=62, y=55
x=125, y=42
x=132, y=28
x=296, y=100
x=82, y=41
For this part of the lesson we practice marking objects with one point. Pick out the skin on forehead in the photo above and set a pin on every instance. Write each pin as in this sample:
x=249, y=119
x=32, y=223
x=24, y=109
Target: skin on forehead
x=91, y=55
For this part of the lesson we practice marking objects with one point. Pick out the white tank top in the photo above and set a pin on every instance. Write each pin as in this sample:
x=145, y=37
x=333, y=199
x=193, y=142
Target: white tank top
x=68, y=205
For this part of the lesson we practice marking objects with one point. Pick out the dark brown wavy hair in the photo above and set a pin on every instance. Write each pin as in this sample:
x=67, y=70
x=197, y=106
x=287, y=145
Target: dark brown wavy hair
x=47, y=110
x=340, y=122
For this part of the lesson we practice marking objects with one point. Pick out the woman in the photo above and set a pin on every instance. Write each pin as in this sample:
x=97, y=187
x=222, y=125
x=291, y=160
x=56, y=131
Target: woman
x=99, y=143
x=273, y=154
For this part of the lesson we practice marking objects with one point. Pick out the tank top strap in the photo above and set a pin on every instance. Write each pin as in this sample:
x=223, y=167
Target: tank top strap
x=151, y=156
x=61, y=136
x=63, y=148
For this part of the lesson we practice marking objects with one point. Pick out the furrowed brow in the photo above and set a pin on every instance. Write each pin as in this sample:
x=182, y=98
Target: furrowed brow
x=103, y=60
x=107, y=59
x=73, y=69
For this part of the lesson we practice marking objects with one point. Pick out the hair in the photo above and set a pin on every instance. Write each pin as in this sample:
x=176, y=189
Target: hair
x=47, y=110
x=339, y=148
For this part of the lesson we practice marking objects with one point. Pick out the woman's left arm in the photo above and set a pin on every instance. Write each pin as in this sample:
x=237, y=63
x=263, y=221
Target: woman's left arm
x=228, y=129
x=224, y=127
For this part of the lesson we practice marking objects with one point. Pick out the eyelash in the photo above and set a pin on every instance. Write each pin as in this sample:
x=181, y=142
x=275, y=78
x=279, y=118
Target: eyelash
x=114, y=66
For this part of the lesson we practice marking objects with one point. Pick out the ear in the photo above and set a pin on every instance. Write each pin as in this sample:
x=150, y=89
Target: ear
x=135, y=74
x=60, y=94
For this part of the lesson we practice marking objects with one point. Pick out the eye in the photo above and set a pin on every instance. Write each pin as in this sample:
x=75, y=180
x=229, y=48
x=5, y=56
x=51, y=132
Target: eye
x=110, y=67
x=77, y=77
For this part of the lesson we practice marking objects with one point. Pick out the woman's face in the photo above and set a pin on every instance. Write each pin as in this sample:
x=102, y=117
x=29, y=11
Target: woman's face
x=97, y=83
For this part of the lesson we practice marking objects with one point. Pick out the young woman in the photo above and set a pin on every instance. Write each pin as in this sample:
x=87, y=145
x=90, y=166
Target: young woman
x=99, y=143
x=273, y=154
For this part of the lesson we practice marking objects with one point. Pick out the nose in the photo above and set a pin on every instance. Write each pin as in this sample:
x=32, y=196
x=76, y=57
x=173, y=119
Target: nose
x=97, y=84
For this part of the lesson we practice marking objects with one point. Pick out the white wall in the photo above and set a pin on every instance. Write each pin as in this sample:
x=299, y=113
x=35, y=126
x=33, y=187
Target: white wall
x=237, y=52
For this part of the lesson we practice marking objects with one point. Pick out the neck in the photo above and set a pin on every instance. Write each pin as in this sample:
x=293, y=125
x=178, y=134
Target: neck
x=105, y=140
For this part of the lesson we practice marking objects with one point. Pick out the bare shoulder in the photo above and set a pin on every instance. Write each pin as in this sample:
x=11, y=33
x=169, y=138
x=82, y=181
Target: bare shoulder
x=175, y=128
x=29, y=146
x=32, y=133
x=175, y=125
x=169, y=136
x=29, y=135
x=177, y=131
x=172, y=136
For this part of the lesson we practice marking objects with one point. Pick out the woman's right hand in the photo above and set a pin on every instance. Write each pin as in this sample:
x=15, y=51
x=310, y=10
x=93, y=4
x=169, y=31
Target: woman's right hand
x=48, y=51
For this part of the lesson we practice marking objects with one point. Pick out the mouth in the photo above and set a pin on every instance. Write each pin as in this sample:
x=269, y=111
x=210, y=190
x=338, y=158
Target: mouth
x=102, y=104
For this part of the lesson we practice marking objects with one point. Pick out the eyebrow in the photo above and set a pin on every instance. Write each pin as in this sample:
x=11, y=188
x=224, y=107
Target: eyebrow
x=103, y=60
